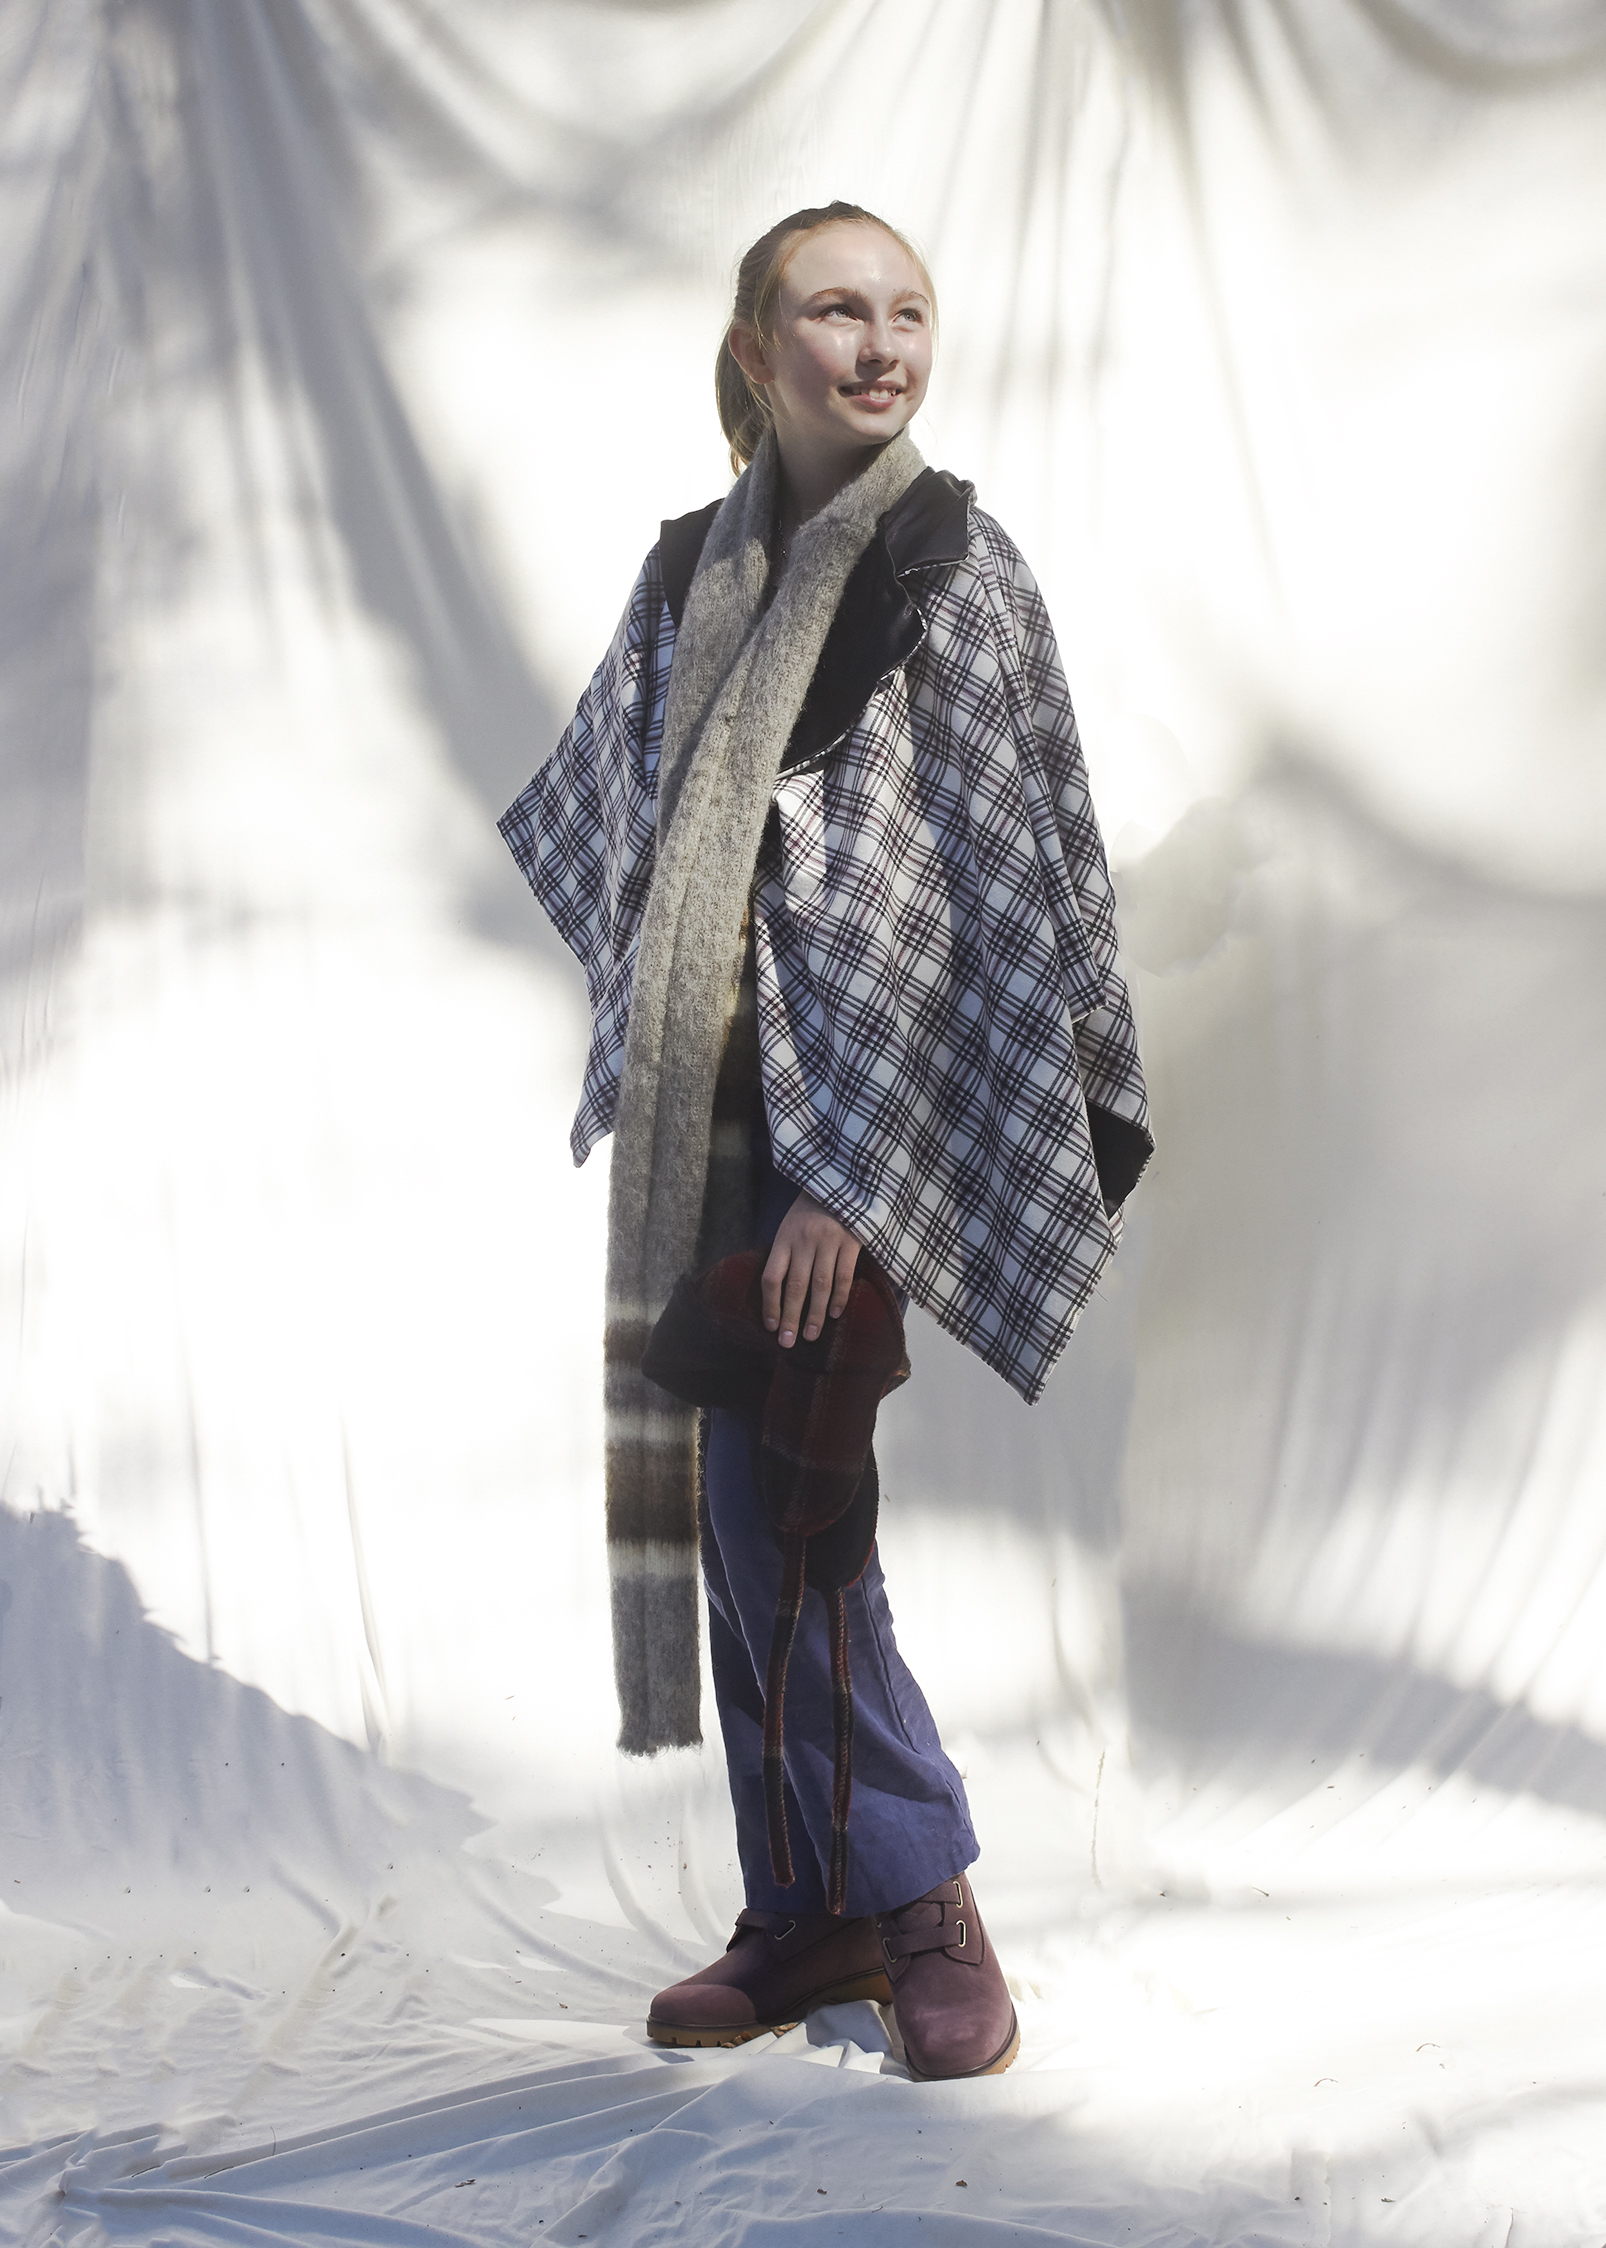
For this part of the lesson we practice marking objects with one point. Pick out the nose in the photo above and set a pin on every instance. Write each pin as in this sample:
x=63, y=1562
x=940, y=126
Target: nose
x=878, y=343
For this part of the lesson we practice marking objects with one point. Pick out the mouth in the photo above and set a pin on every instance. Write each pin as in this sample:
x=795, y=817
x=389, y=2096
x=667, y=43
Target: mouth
x=872, y=393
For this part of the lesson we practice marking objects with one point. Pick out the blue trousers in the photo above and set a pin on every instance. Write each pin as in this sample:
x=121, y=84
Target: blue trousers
x=909, y=1826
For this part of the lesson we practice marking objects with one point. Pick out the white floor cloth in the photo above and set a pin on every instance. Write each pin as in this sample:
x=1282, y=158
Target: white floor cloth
x=352, y=350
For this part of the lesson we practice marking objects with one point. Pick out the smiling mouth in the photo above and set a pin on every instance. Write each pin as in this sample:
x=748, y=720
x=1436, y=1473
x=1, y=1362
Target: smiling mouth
x=878, y=393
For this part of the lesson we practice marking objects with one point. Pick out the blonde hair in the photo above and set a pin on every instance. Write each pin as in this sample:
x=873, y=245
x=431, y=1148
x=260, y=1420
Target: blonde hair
x=744, y=407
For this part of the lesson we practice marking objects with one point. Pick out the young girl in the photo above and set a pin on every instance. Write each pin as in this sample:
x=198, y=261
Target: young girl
x=820, y=835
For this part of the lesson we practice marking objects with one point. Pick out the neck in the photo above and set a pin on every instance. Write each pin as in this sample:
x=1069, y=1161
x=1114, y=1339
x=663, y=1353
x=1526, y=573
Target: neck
x=811, y=480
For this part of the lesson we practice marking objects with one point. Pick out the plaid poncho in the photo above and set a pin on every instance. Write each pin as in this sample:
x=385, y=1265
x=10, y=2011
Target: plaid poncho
x=944, y=1030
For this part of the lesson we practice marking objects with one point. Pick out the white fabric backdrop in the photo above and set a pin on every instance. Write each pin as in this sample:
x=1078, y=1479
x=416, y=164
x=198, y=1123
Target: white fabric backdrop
x=353, y=350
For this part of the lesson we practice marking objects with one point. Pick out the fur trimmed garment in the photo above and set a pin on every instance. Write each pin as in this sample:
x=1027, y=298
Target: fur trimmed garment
x=741, y=670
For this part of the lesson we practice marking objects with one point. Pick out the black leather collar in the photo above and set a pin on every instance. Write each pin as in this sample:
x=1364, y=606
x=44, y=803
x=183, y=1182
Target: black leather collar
x=680, y=545
x=877, y=626
x=931, y=523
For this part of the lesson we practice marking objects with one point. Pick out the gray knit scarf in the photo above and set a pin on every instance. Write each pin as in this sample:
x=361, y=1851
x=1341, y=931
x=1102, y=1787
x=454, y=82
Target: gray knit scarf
x=736, y=685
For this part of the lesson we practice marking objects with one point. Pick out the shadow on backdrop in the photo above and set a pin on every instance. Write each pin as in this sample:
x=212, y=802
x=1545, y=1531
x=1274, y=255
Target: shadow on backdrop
x=1366, y=1406
x=130, y=1764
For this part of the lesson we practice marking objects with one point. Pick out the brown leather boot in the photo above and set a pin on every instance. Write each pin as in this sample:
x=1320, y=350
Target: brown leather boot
x=949, y=1999
x=775, y=1969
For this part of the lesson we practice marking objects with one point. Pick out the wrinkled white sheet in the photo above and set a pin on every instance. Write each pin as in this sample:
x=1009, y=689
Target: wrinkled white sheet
x=352, y=350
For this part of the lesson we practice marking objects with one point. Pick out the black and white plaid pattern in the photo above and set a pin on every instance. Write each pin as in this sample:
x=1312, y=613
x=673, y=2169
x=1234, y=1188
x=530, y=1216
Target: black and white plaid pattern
x=938, y=986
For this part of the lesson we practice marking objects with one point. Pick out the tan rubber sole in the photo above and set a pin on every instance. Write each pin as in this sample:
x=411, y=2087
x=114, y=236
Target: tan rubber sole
x=995, y=2067
x=874, y=1987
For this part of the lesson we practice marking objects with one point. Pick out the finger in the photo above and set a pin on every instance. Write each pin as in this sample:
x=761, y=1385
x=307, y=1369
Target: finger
x=820, y=1287
x=795, y=1294
x=846, y=1263
x=770, y=1284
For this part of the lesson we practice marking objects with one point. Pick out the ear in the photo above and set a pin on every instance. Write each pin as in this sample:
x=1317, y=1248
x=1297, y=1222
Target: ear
x=748, y=353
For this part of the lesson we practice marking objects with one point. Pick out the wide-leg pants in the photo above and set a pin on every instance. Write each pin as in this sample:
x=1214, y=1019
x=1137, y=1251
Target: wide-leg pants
x=909, y=1826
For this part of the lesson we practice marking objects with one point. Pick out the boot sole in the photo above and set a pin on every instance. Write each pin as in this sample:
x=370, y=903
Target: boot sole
x=995, y=2067
x=875, y=1987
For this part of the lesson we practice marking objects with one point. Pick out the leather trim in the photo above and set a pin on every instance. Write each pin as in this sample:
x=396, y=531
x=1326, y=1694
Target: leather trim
x=931, y=523
x=877, y=626
x=1120, y=1151
x=680, y=546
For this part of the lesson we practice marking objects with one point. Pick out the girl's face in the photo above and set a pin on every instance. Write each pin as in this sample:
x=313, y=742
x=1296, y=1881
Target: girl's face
x=850, y=357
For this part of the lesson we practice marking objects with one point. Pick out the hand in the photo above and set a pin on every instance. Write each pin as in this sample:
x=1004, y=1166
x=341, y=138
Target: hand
x=812, y=1261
